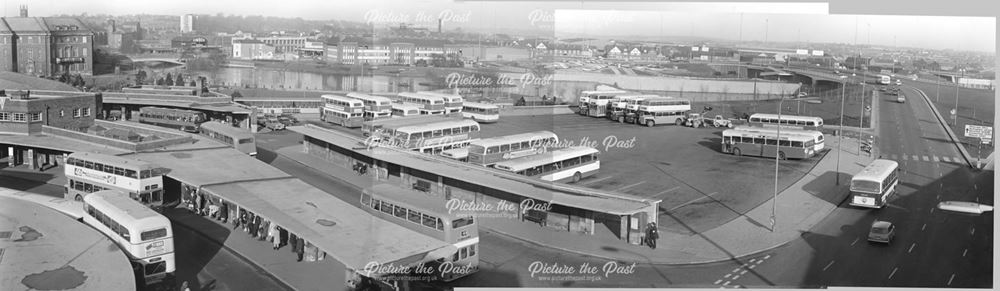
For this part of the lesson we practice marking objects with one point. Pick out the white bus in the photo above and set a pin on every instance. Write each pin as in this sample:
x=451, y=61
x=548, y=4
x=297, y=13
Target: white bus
x=771, y=120
x=589, y=98
x=819, y=141
x=144, y=235
x=884, y=79
x=431, y=137
x=767, y=144
x=342, y=110
x=660, y=110
x=618, y=106
x=430, y=217
x=567, y=164
x=458, y=154
x=371, y=126
x=428, y=104
x=405, y=109
x=273, y=105
x=452, y=102
x=488, y=151
x=89, y=172
x=874, y=184
x=481, y=112
x=376, y=107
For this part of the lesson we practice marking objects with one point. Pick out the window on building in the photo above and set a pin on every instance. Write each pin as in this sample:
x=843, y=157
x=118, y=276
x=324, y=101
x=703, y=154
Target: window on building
x=36, y=116
x=86, y=111
x=4, y=116
x=62, y=113
x=77, y=112
x=19, y=117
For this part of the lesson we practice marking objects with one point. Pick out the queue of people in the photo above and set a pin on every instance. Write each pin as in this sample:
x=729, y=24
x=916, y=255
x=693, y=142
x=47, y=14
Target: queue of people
x=254, y=225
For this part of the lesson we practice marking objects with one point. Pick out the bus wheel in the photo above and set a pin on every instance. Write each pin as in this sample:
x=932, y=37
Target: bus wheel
x=78, y=198
x=679, y=122
x=737, y=152
x=621, y=120
x=576, y=177
x=650, y=123
x=781, y=156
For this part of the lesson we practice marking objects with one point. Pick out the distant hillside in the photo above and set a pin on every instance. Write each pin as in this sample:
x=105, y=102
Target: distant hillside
x=15, y=81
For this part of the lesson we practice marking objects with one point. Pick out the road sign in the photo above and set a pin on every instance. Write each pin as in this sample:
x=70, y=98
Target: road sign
x=978, y=131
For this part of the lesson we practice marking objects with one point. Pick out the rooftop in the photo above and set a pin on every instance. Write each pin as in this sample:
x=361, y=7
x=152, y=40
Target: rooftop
x=211, y=166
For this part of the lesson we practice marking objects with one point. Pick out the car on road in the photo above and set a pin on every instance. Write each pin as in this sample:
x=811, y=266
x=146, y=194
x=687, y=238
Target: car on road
x=882, y=231
x=965, y=207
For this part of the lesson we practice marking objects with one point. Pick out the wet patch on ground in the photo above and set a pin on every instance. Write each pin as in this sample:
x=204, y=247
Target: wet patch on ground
x=63, y=278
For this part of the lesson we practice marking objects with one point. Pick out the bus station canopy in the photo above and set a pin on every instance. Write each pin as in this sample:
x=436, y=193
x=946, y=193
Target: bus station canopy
x=349, y=234
x=556, y=193
x=204, y=167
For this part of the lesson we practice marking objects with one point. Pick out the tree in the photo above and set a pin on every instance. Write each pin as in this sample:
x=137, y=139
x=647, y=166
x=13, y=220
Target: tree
x=78, y=81
x=169, y=81
x=180, y=80
x=236, y=94
x=193, y=83
x=159, y=81
x=140, y=77
x=64, y=77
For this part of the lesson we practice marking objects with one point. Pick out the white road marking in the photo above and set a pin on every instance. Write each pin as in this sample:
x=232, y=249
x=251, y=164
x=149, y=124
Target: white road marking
x=973, y=232
x=667, y=191
x=735, y=270
x=717, y=282
x=630, y=186
x=923, y=227
x=828, y=265
x=952, y=278
x=736, y=277
x=893, y=272
x=932, y=209
x=936, y=159
x=926, y=159
x=767, y=256
x=911, y=248
x=598, y=180
x=946, y=159
x=855, y=241
x=725, y=284
x=751, y=267
x=743, y=272
x=727, y=275
x=692, y=201
x=965, y=252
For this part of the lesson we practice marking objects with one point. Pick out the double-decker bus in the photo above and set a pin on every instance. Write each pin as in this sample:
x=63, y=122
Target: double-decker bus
x=488, y=151
x=237, y=138
x=819, y=141
x=417, y=212
x=186, y=120
x=659, y=110
x=587, y=98
x=884, y=79
x=376, y=107
x=90, y=172
x=566, y=164
x=768, y=144
x=405, y=109
x=874, y=184
x=428, y=104
x=371, y=126
x=618, y=106
x=789, y=121
x=342, y=110
x=452, y=102
x=144, y=235
x=481, y=112
x=272, y=105
x=432, y=137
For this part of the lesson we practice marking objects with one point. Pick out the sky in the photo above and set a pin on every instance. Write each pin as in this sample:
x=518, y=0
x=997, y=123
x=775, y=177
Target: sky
x=934, y=32
x=716, y=20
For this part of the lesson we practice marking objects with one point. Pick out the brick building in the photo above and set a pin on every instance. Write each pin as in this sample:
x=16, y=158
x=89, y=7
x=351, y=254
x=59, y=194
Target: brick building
x=24, y=112
x=45, y=46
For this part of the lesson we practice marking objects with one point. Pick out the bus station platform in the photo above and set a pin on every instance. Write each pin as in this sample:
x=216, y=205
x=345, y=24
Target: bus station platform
x=43, y=249
x=800, y=206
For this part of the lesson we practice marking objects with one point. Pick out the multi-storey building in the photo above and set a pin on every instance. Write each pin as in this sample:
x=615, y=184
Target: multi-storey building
x=283, y=44
x=251, y=49
x=187, y=23
x=45, y=45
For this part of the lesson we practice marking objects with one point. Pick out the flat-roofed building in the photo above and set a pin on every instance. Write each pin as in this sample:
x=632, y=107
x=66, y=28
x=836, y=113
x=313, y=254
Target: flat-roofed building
x=24, y=112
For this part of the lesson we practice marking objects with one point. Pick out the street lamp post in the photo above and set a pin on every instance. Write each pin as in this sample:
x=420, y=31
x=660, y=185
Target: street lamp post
x=777, y=153
x=955, y=122
x=840, y=132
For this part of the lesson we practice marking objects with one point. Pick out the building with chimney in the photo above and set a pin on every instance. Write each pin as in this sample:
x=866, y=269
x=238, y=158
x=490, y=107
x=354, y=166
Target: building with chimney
x=45, y=46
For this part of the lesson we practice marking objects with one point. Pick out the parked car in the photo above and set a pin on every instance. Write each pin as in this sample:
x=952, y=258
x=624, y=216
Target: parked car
x=719, y=121
x=882, y=231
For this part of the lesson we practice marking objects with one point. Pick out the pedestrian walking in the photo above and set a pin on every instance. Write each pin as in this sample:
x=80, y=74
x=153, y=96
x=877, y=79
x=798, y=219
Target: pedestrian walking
x=299, y=248
x=652, y=234
x=282, y=236
x=224, y=212
x=274, y=236
x=292, y=241
x=265, y=230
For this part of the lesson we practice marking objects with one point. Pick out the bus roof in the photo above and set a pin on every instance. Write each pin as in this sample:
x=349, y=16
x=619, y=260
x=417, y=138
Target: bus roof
x=226, y=129
x=459, y=153
x=342, y=98
x=878, y=170
x=436, y=125
x=348, y=234
x=367, y=97
x=531, y=161
x=406, y=105
x=277, y=99
x=154, y=108
x=427, y=204
x=113, y=160
x=479, y=105
x=410, y=120
x=753, y=133
x=661, y=98
x=615, y=92
x=126, y=209
x=785, y=116
x=446, y=96
x=506, y=139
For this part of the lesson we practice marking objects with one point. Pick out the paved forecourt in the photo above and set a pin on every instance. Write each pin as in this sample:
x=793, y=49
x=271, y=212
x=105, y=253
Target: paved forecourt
x=43, y=249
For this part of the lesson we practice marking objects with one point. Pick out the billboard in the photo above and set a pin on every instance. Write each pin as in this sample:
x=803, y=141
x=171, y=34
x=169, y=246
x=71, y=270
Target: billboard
x=818, y=53
x=694, y=48
x=802, y=52
x=704, y=48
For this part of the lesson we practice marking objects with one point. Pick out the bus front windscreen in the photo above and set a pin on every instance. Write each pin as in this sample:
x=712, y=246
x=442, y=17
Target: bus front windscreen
x=865, y=186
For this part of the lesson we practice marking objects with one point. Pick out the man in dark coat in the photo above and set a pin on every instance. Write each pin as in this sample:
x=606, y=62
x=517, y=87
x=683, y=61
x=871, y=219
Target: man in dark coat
x=300, y=245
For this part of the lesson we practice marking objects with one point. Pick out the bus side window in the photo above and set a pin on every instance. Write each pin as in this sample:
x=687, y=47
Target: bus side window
x=365, y=199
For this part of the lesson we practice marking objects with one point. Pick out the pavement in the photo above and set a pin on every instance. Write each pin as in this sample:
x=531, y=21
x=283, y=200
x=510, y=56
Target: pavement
x=798, y=208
